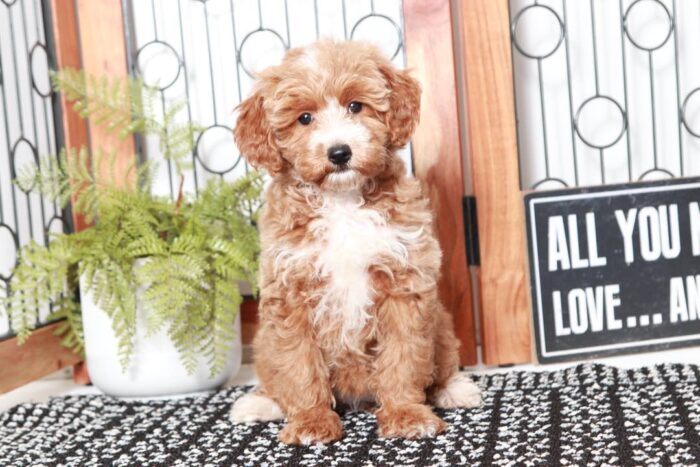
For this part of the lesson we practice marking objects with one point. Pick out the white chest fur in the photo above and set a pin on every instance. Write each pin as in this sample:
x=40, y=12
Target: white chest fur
x=347, y=240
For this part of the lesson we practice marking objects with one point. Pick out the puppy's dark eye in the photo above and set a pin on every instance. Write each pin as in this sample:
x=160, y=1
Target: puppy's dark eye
x=355, y=107
x=305, y=118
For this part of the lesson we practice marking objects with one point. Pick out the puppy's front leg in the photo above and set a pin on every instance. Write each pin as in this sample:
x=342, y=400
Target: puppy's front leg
x=404, y=369
x=292, y=371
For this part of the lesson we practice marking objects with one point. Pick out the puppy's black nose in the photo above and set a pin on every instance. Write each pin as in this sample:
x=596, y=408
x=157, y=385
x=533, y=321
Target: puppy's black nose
x=339, y=154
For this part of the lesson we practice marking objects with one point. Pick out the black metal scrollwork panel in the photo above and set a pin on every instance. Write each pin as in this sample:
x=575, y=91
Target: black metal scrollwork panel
x=606, y=90
x=29, y=129
x=207, y=52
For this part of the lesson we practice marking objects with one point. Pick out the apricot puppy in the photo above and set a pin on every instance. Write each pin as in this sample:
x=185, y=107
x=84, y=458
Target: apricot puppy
x=349, y=309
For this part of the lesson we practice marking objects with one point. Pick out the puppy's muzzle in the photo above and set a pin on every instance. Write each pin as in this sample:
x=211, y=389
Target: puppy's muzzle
x=339, y=154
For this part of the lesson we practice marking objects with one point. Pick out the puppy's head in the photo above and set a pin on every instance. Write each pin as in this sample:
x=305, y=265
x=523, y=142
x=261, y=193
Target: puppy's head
x=333, y=113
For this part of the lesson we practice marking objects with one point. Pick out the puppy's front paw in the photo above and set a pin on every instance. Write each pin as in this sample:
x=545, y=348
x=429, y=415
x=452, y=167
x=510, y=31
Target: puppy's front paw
x=409, y=421
x=313, y=426
x=460, y=391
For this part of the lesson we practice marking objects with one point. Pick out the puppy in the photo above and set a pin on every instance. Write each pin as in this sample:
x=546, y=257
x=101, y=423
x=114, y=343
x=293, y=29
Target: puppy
x=349, y=309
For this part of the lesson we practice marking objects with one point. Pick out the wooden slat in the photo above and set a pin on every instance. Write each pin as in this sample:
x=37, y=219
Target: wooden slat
x=437, y=153
x=103, y=50
x=101, y=24
x=67, y=52
x=66, y=35
x=90, y=35
x=249, y=320
x=80, y=373
x=483, y=27
x=41, y=355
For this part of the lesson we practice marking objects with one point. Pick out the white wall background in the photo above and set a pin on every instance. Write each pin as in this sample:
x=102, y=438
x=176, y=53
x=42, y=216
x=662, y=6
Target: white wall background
x=655, y=143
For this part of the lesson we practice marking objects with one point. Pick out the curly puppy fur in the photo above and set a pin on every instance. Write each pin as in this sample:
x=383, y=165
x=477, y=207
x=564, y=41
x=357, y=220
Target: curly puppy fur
x=349, y=309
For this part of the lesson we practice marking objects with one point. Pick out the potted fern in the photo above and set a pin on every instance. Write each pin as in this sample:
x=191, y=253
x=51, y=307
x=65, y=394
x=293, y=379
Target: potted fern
x=159, y=279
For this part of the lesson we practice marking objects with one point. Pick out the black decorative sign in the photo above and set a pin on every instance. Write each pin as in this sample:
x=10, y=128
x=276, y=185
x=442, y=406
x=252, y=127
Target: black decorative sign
x=615, y=269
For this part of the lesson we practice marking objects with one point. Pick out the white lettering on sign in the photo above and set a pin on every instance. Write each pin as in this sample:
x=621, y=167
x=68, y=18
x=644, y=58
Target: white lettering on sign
x=694, y=209
x=591, y=236
x=559, y=328
x=576, y=261
x=626, y=224
x=589, y=309
x=659, y=232
x=685, y=299
x=612, y=301
x=558, y=251
x=670, y=231
x=565, y=255
x=649, y=234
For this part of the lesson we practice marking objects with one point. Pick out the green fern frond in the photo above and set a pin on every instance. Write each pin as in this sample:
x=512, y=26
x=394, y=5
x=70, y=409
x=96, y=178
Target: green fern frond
x=115, y=104
x=177, y=141
x=49, y=178
x=89, y=181
x=41, y=277
x=146, y=246
x=70, y=326
x=194, y=251
x=226, y=301
x=173, y=286
x=187, y=338
x=126, y=107
x=114, y=290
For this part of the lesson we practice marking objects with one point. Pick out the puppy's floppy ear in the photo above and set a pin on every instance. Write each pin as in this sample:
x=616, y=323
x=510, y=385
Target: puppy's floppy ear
x=404, y=104
x=254, y=136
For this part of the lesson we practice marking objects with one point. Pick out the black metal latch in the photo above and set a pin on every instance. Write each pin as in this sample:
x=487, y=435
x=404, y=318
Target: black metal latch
x=471, y=230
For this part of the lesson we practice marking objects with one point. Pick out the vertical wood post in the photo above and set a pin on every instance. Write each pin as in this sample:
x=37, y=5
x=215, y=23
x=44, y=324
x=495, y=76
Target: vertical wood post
x=103, y=50
x=66, y=39
x=103, y=46
x=437, y=155
x=483, y=26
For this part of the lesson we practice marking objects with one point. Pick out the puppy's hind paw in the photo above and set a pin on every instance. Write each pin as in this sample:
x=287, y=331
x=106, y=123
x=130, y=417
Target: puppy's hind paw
x=255, y=408
x=460, y=391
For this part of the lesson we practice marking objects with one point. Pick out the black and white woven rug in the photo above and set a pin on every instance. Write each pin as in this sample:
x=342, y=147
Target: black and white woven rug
x=587, y=415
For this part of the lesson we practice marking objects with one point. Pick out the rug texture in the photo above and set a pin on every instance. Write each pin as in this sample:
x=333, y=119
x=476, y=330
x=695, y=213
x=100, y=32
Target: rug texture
x=587, y=415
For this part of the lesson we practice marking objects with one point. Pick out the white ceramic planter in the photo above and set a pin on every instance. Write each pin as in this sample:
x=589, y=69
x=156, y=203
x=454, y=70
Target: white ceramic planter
x=155, y=368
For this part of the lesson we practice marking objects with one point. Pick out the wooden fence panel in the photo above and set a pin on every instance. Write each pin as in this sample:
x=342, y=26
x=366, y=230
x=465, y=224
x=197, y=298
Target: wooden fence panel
x=483, y=29
x=437, y=154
